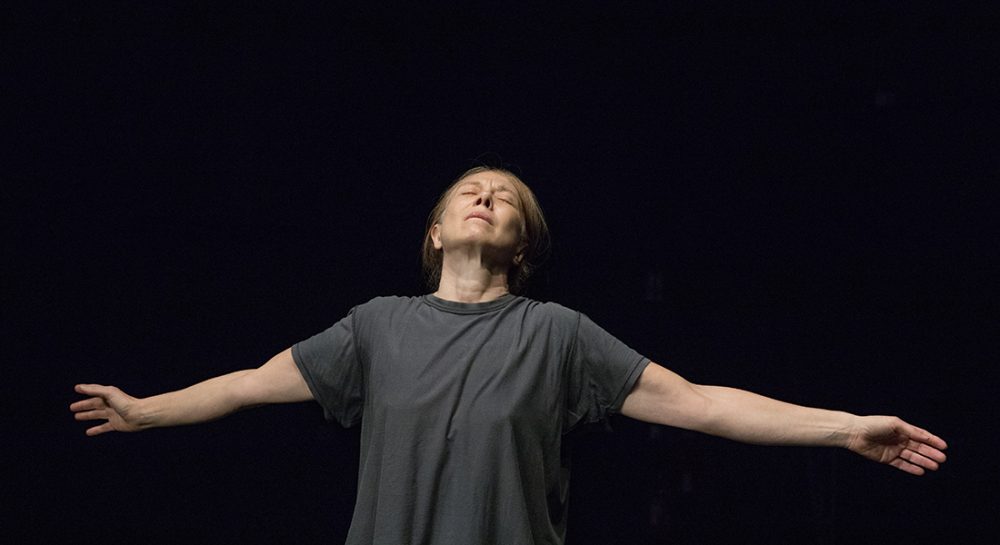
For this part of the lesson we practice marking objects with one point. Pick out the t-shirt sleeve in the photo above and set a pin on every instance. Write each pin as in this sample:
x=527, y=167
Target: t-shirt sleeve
x=330, y=365
x=601, y=372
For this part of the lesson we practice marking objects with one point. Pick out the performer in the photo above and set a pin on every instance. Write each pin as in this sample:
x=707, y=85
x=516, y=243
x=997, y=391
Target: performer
x=464, y=394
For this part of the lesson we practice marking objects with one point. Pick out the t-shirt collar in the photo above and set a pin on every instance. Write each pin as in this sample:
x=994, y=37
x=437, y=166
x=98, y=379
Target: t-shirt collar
x=468, y=308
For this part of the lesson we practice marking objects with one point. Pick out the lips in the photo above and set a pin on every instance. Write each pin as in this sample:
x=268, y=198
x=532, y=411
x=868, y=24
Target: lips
x=481, y=215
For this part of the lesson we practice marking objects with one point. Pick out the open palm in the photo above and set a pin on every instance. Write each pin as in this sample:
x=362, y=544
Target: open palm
x=107, y=403
x=890, y=440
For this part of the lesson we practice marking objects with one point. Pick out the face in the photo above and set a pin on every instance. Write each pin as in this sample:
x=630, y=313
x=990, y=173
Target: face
x=483, y=211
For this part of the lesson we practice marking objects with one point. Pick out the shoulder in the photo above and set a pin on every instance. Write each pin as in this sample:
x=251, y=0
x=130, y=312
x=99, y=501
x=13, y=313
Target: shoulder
x=386, y=306
x=389, y=301
x=551, y=313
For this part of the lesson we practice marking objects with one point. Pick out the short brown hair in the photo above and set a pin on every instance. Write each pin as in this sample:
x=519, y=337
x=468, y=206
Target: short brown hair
x=534, y=233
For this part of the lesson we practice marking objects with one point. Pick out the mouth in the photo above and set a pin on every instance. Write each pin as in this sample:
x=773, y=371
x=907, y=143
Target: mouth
x=479, y=216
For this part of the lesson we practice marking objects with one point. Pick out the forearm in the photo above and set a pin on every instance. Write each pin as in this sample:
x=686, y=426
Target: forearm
x=202, y=402
x=661, y=396
x=751, y=418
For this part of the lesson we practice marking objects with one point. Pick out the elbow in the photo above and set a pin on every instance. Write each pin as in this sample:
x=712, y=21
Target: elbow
x=703, y=413
x=238, y=393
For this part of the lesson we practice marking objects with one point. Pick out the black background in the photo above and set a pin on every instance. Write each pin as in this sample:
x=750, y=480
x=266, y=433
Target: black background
x=798, y=203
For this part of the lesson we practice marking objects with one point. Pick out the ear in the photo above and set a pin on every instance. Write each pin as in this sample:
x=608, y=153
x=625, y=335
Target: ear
x=519, y=256
x=436, y=236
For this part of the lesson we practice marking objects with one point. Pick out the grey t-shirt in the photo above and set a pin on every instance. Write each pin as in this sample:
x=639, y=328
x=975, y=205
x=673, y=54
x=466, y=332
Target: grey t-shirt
x=463, y=407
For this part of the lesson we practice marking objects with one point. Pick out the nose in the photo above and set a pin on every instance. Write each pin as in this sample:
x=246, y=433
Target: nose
x=486, y=200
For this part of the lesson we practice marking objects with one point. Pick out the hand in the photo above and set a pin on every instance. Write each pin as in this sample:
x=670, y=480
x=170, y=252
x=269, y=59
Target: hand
x=108, y=403
x=890, y=440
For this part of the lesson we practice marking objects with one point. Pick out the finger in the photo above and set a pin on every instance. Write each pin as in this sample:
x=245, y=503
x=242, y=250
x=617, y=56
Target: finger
x=927, y=450
x=918, y=460
x=88, y=404
x=922, y=435
x=97, y=430
x=903, y=465
x=92, y=389
x=92, y=415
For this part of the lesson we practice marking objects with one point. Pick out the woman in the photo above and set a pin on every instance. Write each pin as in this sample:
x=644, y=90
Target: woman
x=464, y=394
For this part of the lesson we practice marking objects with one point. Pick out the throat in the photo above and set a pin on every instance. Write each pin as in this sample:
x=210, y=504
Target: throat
x=471, y=284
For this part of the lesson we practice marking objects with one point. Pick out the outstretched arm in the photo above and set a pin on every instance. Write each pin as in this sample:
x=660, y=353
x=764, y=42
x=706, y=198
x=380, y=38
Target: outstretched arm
x=277, y=381
x=663, y=397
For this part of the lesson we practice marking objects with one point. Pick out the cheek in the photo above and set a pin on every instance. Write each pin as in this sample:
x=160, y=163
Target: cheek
x=520, y=228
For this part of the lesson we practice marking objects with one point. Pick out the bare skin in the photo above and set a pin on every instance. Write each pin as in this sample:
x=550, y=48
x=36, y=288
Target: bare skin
x=480, y=233
x=277, y=381
x=663, y=397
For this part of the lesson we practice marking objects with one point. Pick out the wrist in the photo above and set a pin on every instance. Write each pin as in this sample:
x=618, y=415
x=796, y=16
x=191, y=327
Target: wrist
x=850, y=429
x=142, y=413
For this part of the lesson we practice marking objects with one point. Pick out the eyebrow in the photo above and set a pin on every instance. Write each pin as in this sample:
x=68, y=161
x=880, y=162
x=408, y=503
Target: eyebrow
x=500, y=187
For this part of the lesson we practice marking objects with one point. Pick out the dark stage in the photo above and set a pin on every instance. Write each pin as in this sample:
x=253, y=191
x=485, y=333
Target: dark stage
x=800, y=204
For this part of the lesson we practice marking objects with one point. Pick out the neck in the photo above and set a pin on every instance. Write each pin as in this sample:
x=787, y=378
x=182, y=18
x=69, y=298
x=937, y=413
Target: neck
x=471, y=281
